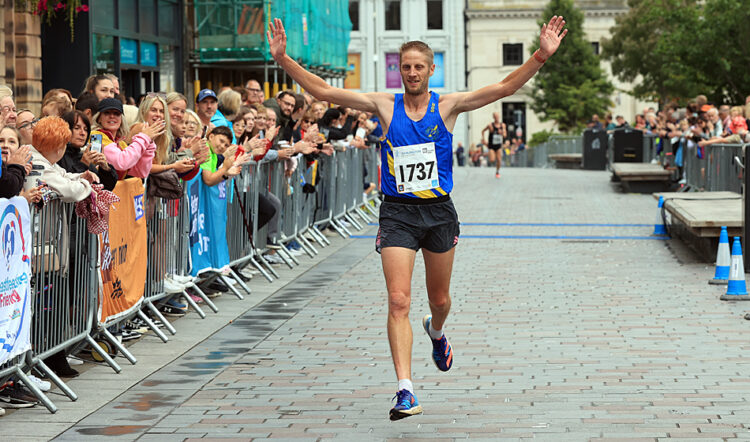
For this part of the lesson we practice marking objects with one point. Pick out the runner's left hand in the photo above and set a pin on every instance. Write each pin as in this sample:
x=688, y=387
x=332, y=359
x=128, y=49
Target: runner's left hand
x=551, y=36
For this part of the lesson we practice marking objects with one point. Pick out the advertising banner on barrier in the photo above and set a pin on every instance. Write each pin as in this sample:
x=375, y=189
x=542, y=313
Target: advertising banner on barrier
x=208, y=225
x=122, y=253
x=15, y=278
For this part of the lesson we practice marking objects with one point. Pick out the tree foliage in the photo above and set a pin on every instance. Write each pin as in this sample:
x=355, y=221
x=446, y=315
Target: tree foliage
x=677, y=49
x=571, y=86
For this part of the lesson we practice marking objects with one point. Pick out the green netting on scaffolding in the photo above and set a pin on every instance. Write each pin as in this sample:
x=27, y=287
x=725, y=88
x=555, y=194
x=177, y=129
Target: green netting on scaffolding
x=234, y=30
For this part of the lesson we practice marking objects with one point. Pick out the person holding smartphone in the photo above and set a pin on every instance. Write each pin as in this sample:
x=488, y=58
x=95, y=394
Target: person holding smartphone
x=82, y=155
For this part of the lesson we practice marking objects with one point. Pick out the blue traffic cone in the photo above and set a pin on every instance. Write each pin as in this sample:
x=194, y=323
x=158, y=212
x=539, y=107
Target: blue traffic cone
x=736, y=288
x=659, y=227
x=723, y=259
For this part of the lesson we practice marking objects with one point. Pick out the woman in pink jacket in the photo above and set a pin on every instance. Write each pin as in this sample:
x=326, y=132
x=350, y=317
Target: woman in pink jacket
x=132, y=159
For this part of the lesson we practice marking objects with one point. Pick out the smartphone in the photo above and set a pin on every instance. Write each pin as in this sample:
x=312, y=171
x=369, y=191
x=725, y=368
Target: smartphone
x=96, y=143
x=205, y=130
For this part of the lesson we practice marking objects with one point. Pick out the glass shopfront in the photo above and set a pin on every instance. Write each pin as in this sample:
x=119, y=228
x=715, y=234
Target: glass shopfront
x=140, y=42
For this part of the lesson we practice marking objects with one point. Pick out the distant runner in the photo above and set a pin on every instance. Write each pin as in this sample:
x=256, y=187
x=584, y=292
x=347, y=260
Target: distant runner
x=417, y=177
x=498, y=134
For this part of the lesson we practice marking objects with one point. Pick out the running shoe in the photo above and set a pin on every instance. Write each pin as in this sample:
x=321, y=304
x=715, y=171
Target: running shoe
x=40, y=384
x=406, y=405
x=497, y=175
x=129, y=335
x=442, y=353
x=15, y=396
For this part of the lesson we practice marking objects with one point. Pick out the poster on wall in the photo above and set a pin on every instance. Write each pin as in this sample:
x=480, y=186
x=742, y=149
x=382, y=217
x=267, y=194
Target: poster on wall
x=438, y=77
x=352, y=80
x=392, y=76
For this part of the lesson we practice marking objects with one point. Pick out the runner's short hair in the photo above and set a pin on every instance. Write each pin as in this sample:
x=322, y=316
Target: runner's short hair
x=417, y=45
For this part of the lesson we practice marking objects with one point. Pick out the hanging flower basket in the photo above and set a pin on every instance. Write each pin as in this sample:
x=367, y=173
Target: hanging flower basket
x=51, y=10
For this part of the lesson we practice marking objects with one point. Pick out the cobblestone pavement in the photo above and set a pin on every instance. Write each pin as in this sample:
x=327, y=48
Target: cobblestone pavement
x=569, y=322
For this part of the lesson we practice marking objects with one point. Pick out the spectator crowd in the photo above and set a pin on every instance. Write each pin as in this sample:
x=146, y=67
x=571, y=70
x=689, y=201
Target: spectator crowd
x=79, y=147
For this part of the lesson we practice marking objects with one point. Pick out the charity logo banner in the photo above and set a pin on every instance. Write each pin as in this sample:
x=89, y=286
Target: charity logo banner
x=122, y=253
x=208, y=225
x=15, y=278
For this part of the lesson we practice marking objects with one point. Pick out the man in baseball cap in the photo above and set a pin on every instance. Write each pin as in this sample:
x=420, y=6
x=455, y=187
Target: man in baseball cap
x=205, y=105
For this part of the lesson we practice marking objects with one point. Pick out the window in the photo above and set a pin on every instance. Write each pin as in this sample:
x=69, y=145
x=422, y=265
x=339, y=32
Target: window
x=595, y=47
x=512, y=54
x=354, y=14
x=434, y=14
x=392, y=15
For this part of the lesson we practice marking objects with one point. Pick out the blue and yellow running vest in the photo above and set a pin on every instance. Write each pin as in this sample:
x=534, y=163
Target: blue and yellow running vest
x=404, y=131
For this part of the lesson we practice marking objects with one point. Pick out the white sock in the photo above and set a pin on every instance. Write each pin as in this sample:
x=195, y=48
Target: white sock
x=405, y=384
x=435, y=334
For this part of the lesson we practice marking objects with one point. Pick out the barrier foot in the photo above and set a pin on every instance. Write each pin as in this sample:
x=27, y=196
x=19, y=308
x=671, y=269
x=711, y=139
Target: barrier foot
x=118, y=345
x=205, y=298
x=261, y=269
x=371, y=209
x=311, y=251
x=353, y=221
x=263, y=261
x=735, y=297
x=286, y=256
x=153, y=326
x=314, y=235
x=291, y=257
x=231, y=286
x=194, y=305
x=365, y=218
x=104, y=355
x=718, y=281
x=343, y=226
x=343, y=231
x=40, y=365
x=35, y=390
x=240, y=281
x=320, y=235
x=160, y=317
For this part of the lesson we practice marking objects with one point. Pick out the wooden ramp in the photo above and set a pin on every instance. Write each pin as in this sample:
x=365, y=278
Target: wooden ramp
x=703, y=213
x=642, y=177
x=566, y=160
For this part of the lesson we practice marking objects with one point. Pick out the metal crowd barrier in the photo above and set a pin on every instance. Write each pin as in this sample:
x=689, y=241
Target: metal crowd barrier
x=65, y=262
x=694, y=168
x=64, y=289
x=723, y=172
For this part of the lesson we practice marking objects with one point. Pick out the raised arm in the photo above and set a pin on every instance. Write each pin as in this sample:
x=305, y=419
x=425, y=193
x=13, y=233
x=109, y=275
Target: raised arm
x=369, y=102
x=549, y=40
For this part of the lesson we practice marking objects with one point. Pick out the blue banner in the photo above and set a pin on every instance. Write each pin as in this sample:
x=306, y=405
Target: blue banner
x=15, y=278
x=208, y=225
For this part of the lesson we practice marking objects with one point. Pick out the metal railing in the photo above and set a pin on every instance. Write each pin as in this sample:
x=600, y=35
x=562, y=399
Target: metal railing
x=65, y=263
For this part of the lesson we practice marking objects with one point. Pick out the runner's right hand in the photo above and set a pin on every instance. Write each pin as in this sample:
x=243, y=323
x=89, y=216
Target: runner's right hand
x=276, y=39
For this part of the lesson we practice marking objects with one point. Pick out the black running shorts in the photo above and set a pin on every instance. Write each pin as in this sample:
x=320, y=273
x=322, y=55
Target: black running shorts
x=416, y=223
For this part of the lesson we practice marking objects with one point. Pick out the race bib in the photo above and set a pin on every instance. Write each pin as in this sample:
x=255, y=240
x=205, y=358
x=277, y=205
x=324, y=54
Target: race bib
x=497, y=139
x=415, y=167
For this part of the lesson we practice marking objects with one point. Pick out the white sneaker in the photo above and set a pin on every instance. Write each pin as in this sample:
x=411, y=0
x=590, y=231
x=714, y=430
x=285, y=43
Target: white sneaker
x=248, y=272
x=171, y=286
x=74, y=361
x=182, y=279
x=230, y=280
x=344, y=223
x=296, y=252
x=41, y=384
x=273, y=259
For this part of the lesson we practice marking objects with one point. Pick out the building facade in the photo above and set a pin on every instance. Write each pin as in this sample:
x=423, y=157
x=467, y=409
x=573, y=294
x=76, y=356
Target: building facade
x=499, y=34
x=380, y=27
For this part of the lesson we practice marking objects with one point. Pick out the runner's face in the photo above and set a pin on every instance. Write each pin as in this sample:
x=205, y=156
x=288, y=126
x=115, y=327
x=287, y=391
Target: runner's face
x=415, y=72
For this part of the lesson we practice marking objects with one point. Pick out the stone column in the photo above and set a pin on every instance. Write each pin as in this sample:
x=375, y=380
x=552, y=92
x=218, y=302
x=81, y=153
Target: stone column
x=28, y=61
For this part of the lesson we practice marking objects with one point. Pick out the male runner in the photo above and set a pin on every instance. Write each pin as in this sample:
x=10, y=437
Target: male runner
x=498, y=133
x=417, y=212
